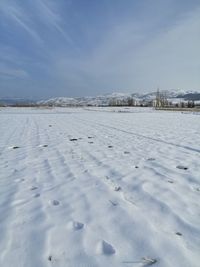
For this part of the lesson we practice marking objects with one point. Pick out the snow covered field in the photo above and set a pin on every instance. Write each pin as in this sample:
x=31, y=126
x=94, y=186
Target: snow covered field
x=86, y=188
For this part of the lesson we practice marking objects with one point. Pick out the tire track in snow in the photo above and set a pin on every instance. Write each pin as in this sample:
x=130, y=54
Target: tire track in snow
x=146, y=137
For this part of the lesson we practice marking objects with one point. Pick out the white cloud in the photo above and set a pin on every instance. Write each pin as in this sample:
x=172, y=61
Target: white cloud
x=140, y=52
x=129, y=59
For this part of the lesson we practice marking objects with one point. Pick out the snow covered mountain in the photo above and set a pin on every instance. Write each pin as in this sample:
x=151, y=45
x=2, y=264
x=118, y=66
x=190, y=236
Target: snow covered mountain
x=104, y=100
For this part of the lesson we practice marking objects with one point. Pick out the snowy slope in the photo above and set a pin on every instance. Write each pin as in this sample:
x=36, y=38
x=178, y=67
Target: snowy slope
x=83, y=101
x=103, y=100
x=96, y=189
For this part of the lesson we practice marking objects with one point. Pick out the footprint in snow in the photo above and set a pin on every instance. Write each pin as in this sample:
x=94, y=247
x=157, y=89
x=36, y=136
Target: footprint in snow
x=36, y=195
x=104, y=248
x=34, y=188
x=178, y=233
x=117, y=188
x=73, y=139
x=75, y=225
x=50, y=258
x=151, y=159
x=110, y=146
x=54, y=202
x=113, y=203
x=15, y=147
x=181, y=167
x=146, y=261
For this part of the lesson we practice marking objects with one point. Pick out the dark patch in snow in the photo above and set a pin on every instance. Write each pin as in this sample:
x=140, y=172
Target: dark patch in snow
x=78, y=225
x=113, y=203
x=36, y=195
x=34, y=187
x=151, y=159
x=50, y=258
x=105, y=248
x=55, y=202
x=181, y=167
x=117, y=188
x=178, y=233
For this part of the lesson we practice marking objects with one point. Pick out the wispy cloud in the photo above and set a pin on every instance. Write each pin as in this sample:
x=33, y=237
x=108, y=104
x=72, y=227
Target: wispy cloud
x=93, y=47
x=130, y=58
x=10, y=73
x=52, y=19
x=20, y=18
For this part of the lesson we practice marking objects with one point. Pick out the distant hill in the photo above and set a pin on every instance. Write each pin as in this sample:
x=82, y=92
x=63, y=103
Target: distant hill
x=104, y=100
x=9, y=101
x=190, y=96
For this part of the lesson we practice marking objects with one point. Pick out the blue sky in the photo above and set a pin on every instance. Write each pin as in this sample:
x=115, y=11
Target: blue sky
x=89, y=47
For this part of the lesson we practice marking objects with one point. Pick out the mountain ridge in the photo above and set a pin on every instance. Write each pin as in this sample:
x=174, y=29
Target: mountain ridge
x=106, y=99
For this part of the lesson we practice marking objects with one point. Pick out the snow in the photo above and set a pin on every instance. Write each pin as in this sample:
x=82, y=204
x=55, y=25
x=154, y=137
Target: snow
x=123, y=192
x=104, y=100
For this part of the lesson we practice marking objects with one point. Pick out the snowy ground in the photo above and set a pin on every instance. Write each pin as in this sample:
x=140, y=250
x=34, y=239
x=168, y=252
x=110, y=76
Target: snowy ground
x=91, y=188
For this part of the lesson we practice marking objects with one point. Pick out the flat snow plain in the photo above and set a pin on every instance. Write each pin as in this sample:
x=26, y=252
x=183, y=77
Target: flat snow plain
x=99, y=188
